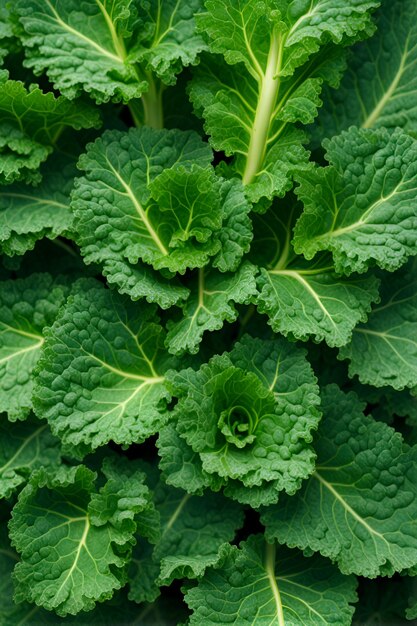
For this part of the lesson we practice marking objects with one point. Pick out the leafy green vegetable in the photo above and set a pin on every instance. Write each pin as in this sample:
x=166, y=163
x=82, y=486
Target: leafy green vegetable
x=208, y=365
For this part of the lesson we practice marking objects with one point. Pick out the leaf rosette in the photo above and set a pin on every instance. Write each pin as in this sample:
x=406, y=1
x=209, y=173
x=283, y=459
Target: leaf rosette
x=239, y=416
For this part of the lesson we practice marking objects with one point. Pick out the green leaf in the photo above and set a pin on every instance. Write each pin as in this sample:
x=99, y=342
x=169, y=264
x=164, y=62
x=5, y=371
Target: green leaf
x=237, y=414
x=27, y=305
x=24, y=448
x=141, y=281
x=358, y=507
x=384, y=350
x=305, y=299
x=210, y=304
x=70, y=559
x=137, y=185
x=28, y=214
x=264, y=584
x=31, y=122
x=282, y=55
x=380, y=86
x=81, y=47
x=235, y=234
x=101, y=375
x=166, y=39
x=362, y=207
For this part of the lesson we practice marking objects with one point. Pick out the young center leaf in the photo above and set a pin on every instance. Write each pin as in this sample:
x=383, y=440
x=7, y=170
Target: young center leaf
x=362, y=207
x=151, y=196
x=302, y=298
x=277, y=55
x=384, y=350
x=101, y=375
x=30, y=123
x=359, y=505
x=268, y=584
x=27, y=306
x=380, y=86
x=244, y=423
x=72, y=556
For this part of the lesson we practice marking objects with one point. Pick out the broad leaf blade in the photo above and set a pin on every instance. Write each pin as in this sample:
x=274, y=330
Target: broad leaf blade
x=265, y=584
x=363, y=207
x=27, y=306
x=358, y=506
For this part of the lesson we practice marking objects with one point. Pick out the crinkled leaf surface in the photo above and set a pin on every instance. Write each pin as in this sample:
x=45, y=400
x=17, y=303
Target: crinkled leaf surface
x=24, y=448
x=243, y=434
x=28, y=214
x=380, y=86
x=30, y=123
x=109, y=48
x=359, y=506
x=27, y=305
x=101, y=375
x=362, y=208
x=302, y=298
x=211, y=303
x=384, y=350
x=81, y=47
x=117, y=217
x=192, y=531
x=251, y=102
x=264, y=584
x=69, y=559
x=166, y=38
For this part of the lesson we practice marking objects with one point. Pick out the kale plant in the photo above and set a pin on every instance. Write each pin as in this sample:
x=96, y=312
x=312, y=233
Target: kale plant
x=208, y=312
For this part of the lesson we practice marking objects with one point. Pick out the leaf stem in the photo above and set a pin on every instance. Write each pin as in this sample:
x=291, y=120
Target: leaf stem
x=152, y=104
x=269, y=89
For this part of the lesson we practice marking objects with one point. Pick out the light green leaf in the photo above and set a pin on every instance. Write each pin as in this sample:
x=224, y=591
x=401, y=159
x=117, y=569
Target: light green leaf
x=227, y=412
x=101, y=375
x=31, y=122
x=24, y=447
x=235, y=234
x=210, y=304
x=69, y=559
x=81, y=47
x=283, y=55
x=272, y=586
x=359, y=506
x=27, y=305
x=166, y=39
x=141, y=281
x=28, y=214
x=137, y=185
x=305, y=299
x=363, y=206
x=384, y=350
x=380, y=86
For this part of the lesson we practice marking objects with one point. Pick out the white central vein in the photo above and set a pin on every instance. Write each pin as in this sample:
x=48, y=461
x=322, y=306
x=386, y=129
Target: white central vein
x=270, y=570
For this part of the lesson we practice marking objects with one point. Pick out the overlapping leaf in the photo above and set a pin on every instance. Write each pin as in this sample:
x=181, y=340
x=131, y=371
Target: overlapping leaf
x=27, y=305
x=358, y=507
x=101, y=375
x=363, y=206
x=272, y=79
x=380, y=86
x=24, y=448
x=73, y=557
x=384, y=350
x=265, y=584
x=305, y=299
x=31, y=122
